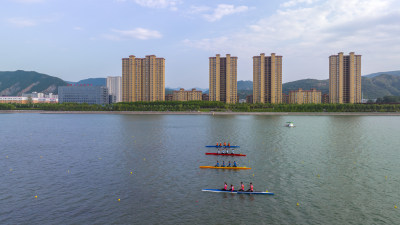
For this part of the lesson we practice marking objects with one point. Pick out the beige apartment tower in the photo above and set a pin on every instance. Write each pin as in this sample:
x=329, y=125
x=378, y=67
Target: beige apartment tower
x=267, y=79
x=223, y=79
x=345, y=78
x=143, y=79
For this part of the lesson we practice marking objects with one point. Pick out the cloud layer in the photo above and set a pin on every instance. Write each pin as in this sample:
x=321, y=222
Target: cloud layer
x=172, y=4
x=224, y=10
x=138, y=33
x=315, y=28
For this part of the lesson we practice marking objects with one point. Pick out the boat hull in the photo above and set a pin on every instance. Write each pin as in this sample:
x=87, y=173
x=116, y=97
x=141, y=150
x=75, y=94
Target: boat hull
x=217, y=146
x=226, y=168
x=211, y=153
x=238, y=192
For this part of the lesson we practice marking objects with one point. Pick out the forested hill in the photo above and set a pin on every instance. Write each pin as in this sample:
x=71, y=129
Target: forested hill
x=372, y=88
x=14, y=83
x=93, y=81
x=306, y=84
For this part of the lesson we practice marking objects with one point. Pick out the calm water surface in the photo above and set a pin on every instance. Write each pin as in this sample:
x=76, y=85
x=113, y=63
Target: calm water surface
x=339, y=169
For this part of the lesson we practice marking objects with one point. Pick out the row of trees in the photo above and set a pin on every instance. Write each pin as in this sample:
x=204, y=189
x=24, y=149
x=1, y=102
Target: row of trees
x=205, y=106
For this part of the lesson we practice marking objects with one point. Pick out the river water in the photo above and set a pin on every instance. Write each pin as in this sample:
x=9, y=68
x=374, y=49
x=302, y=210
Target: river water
x=144, y=169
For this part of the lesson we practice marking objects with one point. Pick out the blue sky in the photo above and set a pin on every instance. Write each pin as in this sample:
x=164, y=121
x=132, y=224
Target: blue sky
x=75, y=40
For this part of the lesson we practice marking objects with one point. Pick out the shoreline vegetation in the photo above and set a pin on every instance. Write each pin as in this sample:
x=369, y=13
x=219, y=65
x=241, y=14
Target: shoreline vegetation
x=205, y=107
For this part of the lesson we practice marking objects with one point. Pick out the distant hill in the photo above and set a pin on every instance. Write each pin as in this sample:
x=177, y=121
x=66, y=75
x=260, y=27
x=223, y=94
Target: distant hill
x=93, y=81
x=372, y=88
x=245, y=85
x=395, y=73
x=381, y=85
x=306, y=84
x=14, y=83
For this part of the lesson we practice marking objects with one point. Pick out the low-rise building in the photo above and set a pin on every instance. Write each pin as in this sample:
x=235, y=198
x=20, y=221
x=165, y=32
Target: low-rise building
x=26, y=100
x=325, y=98
x=304, y=97
x=83, y=94
x=249, y=99
x=205, y=97
x=285, y=98
x=168, y=97
x=183, y=95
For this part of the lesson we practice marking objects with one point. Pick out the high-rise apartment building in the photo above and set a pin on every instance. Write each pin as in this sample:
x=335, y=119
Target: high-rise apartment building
x=143, y=79
x=305, y=97
x=267, y=78
x=114, y=85
x=223, y=79
x=345, y=78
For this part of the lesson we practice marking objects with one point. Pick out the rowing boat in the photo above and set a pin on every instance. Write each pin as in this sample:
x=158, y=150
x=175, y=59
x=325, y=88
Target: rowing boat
x=227, y=168
x=217, y=146
x=227, y=154
x=239, y=192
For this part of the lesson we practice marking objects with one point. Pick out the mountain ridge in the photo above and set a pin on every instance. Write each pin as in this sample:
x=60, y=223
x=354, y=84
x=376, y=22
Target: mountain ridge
x=15, y=83
x=376, y=85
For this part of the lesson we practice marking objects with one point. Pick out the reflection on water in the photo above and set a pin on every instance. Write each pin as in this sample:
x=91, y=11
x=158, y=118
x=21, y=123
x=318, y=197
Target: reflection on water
x=340, y=169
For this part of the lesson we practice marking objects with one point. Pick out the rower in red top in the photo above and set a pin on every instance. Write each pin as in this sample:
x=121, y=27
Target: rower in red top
x=224, y=143
x=232, y=188
x=229, y=145
x=225, y=187
x=251, y=188
x=241, y=186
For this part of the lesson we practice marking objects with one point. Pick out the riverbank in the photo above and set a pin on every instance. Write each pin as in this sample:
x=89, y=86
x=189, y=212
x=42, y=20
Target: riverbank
x=210, y=113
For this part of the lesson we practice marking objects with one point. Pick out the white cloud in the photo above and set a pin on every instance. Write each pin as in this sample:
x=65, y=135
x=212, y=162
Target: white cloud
x=292, y=3
x=224, y=10
x=316, y=30
x=78, y=28
x=198, y=9
x=138, y=33
x=172, y=4
x=21, y=22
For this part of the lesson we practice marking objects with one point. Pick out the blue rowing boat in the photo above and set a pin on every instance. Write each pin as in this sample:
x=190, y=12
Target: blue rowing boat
x=217, y=146
x=239, y=192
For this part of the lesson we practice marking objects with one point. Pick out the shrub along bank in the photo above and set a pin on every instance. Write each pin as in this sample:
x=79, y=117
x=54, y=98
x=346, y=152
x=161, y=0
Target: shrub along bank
x=205, y=106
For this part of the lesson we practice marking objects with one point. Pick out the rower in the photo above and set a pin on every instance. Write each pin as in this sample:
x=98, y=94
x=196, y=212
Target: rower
x=223, y=164
x=251, y=188
x=218, y=150
x=234, y=164
x=241, y=186
x=227, y=151
x=223, y=151
x=225, y=187
x=229, y=144
x=232, y=188
x=232, y=152
x=229, y=164
x=217, y=165
x=224, y=143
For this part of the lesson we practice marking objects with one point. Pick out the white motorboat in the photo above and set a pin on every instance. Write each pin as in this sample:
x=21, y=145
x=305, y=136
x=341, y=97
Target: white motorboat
x=289, y=124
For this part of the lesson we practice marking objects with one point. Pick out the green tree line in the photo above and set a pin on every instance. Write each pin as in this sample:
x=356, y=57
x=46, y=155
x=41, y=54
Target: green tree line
x=205, y=106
